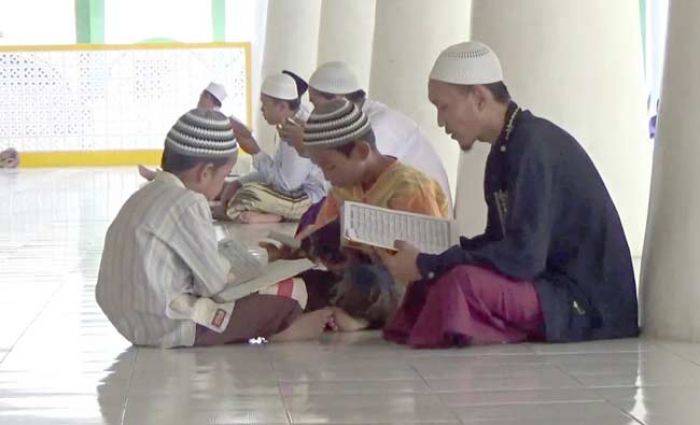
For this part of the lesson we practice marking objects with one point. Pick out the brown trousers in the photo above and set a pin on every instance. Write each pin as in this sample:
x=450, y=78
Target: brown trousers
x=253, y=316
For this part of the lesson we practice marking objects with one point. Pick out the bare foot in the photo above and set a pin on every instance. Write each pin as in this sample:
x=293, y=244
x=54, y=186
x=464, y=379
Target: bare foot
x=347, y=323
x=147, y=173
x=254, y=217
x=308, y=326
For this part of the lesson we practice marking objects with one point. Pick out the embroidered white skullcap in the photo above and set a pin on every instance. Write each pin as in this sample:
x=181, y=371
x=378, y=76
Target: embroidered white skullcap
x=217, y=90
x=334, y=124
x=202, y=133
x=467, y=63
x=334, y=78
x=280, y=86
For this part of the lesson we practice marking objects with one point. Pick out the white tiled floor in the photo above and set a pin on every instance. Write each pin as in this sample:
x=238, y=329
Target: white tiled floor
x=62, y=363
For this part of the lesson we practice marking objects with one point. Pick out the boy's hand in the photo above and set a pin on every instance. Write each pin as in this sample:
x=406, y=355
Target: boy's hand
x=402, y=265
x=244, y=138
x=282, y=252
x=293, y=132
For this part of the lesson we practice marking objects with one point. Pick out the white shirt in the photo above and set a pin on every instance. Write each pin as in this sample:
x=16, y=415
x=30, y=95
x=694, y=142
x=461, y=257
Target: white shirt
x=286, y=171
x=160, y=267
x=399, y=136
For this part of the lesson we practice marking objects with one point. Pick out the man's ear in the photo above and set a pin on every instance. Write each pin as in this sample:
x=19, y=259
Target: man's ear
x=481, y=95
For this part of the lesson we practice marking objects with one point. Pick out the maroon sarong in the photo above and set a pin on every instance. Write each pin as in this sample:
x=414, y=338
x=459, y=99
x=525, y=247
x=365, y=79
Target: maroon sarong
x=467, y=305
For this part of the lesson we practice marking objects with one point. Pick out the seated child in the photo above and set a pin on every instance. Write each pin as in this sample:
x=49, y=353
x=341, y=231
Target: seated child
x=161, y=272
x=339, y=139
x=283, y=186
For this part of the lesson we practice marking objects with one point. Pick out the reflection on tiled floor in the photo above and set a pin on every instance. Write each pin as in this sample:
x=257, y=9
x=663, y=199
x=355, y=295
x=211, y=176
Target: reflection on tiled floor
x=62, y=363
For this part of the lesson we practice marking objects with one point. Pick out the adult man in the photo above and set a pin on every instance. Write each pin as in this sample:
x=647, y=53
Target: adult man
x=553, y=262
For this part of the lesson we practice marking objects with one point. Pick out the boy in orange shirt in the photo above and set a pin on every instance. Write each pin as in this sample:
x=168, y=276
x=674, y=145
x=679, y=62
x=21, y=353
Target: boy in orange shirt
x=339, y=139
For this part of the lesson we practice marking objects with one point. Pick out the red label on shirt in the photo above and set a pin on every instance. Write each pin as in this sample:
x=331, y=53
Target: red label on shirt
x=219, y=317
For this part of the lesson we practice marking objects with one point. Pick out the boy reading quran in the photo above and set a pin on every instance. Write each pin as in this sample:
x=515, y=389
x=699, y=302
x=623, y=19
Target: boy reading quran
x=161, y=273
x=338, y=138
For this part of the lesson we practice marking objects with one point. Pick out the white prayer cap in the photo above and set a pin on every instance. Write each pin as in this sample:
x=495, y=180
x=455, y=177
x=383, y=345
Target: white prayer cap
x=334, y=78
x=280, y=86
x=467, y=63
x=217, y=90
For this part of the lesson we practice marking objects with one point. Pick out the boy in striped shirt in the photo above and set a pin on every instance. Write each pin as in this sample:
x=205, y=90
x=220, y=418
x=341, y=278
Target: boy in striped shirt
x=161, y=272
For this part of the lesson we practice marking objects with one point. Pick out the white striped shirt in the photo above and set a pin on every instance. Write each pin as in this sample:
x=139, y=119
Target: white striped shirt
x=160, y=267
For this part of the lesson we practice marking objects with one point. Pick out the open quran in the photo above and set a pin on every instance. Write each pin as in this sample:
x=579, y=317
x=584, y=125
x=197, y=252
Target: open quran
x=250, y=271
x=380, y=227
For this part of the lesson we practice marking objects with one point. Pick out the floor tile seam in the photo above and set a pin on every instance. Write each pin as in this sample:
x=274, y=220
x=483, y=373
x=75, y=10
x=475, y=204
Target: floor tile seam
x=42, y=310
x=454, y=415
x=597, y=398
x=128, y=386
x=572, y=376
x=275, y=371
x=682, y=357
x=287, y=413
x=625, y=413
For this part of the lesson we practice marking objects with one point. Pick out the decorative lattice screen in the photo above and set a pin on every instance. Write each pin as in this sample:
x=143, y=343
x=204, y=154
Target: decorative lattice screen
x=111, y=97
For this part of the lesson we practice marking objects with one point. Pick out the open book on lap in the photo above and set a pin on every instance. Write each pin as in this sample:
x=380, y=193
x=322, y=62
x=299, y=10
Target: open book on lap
x=380, y=227
x=249, y=274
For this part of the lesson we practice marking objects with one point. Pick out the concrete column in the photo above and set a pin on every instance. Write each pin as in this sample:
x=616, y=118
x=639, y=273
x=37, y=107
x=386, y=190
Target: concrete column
x=408, y=36
x=291, y=42
x=346, y=34
x=580, y=64
x=671, y=268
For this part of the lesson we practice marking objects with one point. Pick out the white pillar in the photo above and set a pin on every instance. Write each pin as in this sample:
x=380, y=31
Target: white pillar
x=291, y=42
x=671, y=267
x=580, y=64
x=246, y=21
x=408, y=36
x=346, y=33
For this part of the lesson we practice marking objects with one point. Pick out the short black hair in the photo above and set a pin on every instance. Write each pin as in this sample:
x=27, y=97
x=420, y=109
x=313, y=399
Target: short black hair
x=498, y=90
x=356, y=96
x=293, y=104
x=326, y=95
x=353, y=97
x=347, y=148
x=174, y=162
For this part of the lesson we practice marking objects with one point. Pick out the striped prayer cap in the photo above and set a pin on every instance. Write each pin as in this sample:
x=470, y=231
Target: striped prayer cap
x=334, y=124
x=202, y=133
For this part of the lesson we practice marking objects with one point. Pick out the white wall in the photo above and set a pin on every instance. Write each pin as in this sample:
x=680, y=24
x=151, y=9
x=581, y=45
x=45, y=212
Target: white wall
x=132, y=21
x=291, y=42
x=246, y=21
x=670, y=268
x=408, y=37
x=346, y=34
x=20, y=23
